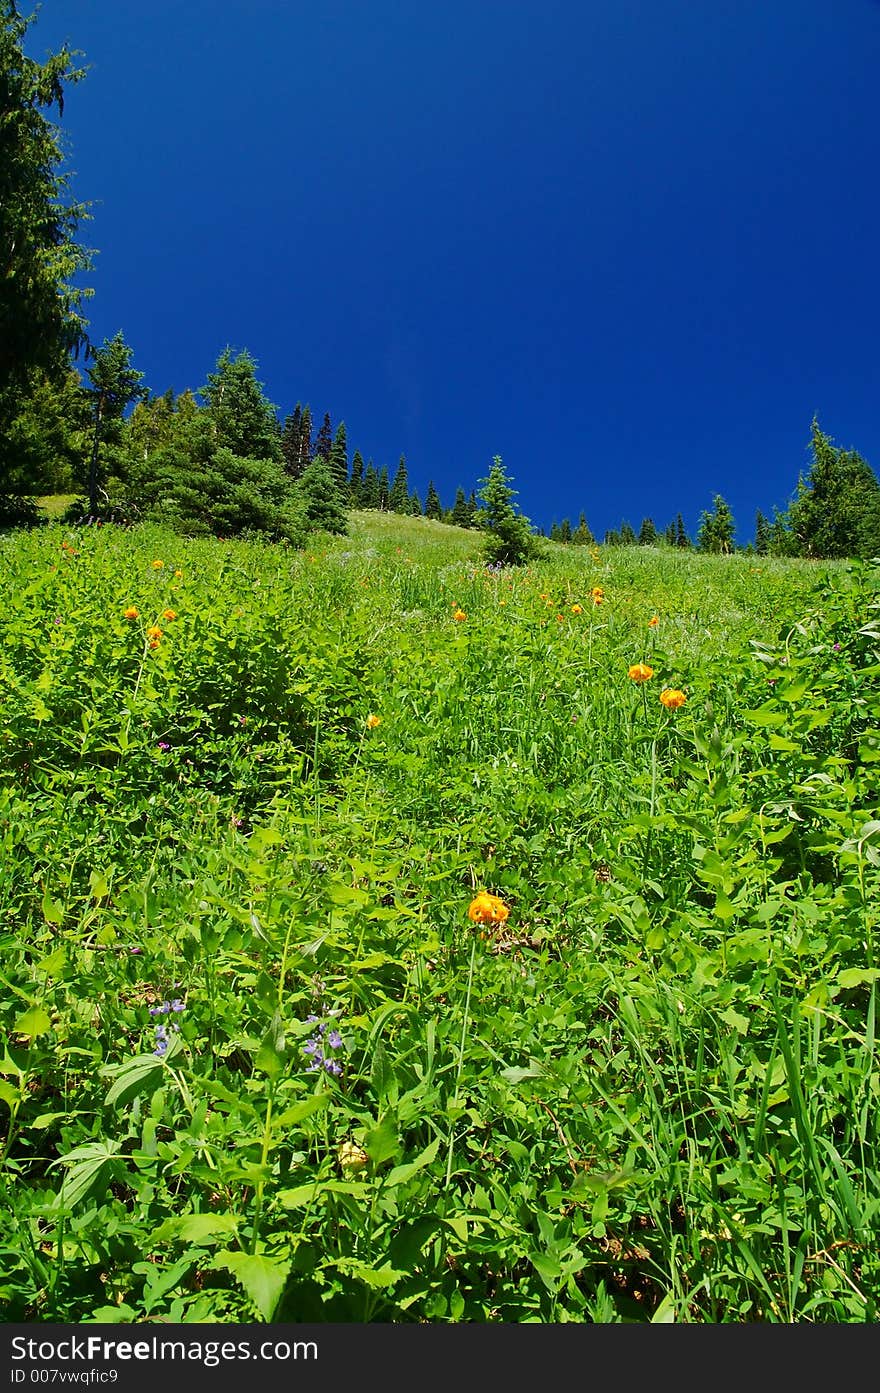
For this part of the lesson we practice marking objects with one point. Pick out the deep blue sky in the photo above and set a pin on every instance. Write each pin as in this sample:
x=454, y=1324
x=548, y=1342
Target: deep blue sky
x=632, y=248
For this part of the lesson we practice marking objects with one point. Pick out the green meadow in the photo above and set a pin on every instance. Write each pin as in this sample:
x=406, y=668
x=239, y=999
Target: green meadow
x=258, y=1061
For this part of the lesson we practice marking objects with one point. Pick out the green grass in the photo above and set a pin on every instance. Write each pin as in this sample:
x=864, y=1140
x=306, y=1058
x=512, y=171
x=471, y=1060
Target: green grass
x=650, y=1095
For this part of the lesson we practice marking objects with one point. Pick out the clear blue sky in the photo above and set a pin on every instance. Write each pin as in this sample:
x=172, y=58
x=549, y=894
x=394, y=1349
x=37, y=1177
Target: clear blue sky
x=632, y=248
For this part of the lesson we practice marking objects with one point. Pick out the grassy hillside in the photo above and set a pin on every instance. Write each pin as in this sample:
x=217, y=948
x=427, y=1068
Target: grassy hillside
x=269, y=1051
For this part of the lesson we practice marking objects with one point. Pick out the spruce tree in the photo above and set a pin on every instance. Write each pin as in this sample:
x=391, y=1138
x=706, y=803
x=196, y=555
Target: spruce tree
x=323, y=445
x=305, y=438
x=356, y=481
x=582, y=536
x=370, y=494
x=670, y=534
x=115, y=385
x=339, y=459
x=432, y=503
x=318, y=499
x=565, y=530
x=472, y=508
x=716, y=529
x=612, y=538
x=291, y=436
x=762, y=534
x=415, y=504
x=384, y=488
x=647, y=533
x=241, y=418
x=460, y=515
x=682, y=539
x=836, y=512
x=509, y=538
x=628, y=537
x=398, y=499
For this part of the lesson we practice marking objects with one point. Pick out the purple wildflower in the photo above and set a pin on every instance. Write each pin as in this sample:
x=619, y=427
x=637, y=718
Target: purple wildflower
x=163, y=745
x=334, y=1040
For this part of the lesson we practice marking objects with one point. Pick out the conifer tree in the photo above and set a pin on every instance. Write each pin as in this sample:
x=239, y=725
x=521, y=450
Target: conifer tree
x=323, y=445
x=305, y=438
x=762, y=534
x=115, y=385
x=356, y=481
x=612, y=538
x=582, y=536
x=716, y=529
x=670, y=534
x=472, y=508
x=384, y=488
x=836, y=512
x=647, y=533
x=565, y=530
x=415, y=504
x=291, y=441
x=370, y=495
x=319, y=501
x=682, y=539
x=432, y=503
x=339, y=459
x=398, y=500
x=627, y=535
x=241, y=418
x=509, y=538
x=460, y=515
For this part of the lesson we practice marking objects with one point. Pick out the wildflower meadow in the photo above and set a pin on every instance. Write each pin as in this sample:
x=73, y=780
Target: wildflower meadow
x=388, y=937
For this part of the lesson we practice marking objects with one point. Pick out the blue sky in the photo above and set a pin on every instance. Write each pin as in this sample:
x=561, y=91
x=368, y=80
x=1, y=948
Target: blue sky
x=630, y=248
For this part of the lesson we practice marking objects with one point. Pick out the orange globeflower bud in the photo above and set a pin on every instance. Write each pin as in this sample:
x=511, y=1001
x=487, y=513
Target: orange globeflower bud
x=168, y=614
x=157, y=565
x=652, y=623
x=576, y=609
x=640, y=672
x=459, y=615
x=154, y=632
x=130, y=613
x=672, y=698
x=597, y=595
x=373, y=721
x=487, y=909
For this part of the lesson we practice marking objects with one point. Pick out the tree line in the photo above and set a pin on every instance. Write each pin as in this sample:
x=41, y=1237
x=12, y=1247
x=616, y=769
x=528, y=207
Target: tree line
x=220, y=461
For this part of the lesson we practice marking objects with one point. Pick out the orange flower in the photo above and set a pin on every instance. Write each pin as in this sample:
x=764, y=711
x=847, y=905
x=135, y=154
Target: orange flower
x=157, y=565
x=640, y=672
x=130, y=612
x=459, y=615
x=154, y=642
x=154, y=632
x=168, y=614
x=672, y=698
x=577, y=609
x=652, y=623
x=597, y=595
x=487, y=909
x=178, y=575
x=373, y=721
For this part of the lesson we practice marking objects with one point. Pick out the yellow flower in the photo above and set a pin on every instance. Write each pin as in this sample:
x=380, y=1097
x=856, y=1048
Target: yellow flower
x=672, y=698
x=577, y=609
x=130, y=613
x=652, y=623
x=351, y=1157
x=487, y=909
x=640, y=672
x=154, y=632
x=178, y=575
x=597, y=595
x=168, y=614
x=373, y=721
x=459, y=615
x=154, y=642
x=157, y=565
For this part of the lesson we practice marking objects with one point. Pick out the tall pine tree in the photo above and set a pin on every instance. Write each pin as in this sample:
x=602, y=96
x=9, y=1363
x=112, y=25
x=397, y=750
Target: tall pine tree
x=323, y=445
x=398, y=500
x=432, y=503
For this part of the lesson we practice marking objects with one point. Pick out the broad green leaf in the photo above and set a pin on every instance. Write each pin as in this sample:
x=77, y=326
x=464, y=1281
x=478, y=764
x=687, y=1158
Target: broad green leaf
x=262, y=1278
x=141, y=1074
x=270, y=1057
x=34, y=1022
x=8, y=1094
x=735, y=1020
x=87, y=1170
x=297, y=1112
x=516, y=1074
x=198, y=1229
x=53, y=913
x=857, y=977
x=400, y=1174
